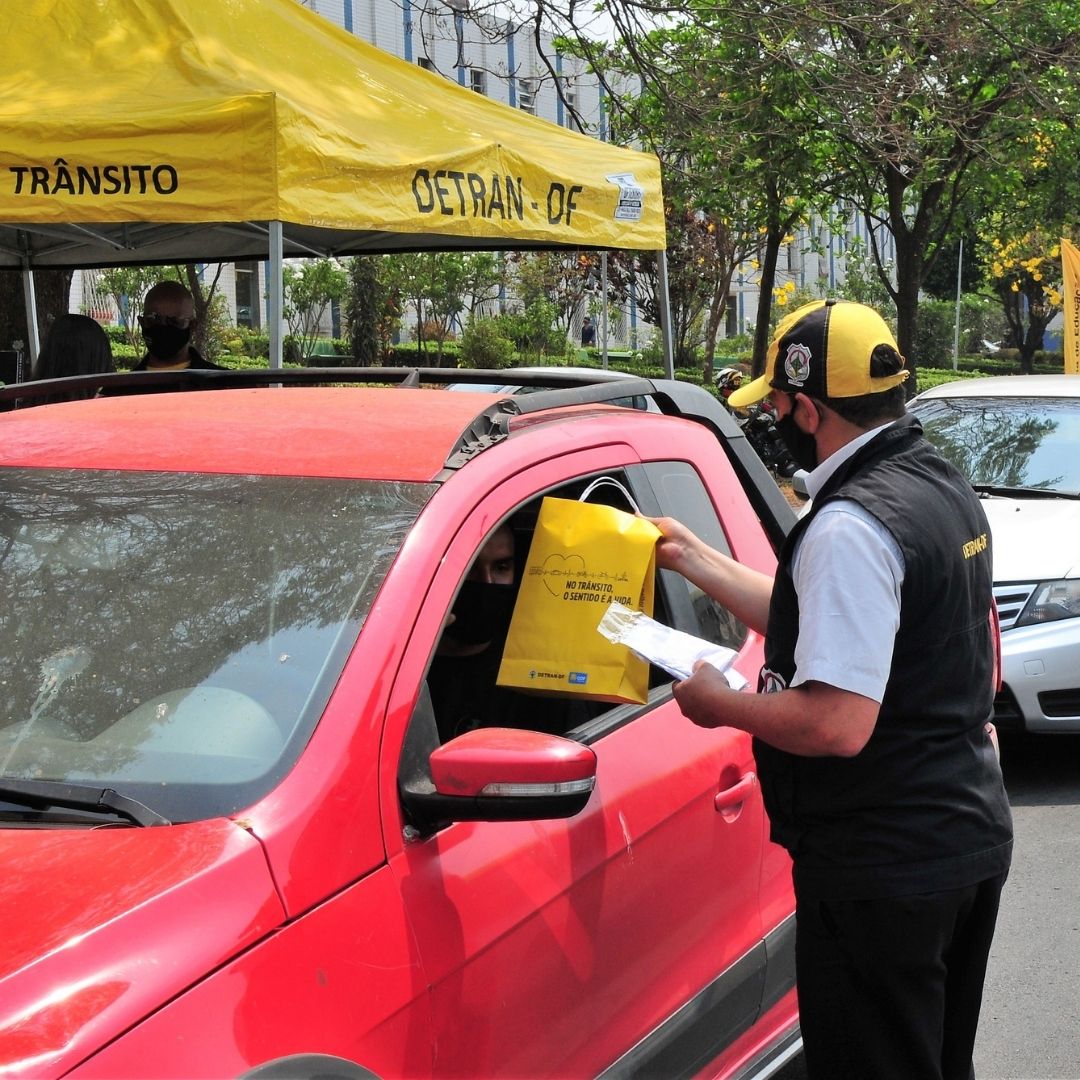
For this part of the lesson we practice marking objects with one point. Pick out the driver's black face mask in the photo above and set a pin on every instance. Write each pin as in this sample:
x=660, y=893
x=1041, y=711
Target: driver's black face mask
x=166, y=341
x=801, y=446
x=481, y=613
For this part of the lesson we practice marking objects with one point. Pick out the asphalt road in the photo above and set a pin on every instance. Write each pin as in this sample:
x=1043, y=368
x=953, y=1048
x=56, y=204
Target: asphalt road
x=1030, y=1027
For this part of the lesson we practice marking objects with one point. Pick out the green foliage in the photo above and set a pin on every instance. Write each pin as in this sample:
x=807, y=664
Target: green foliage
x=422, y=355
x=483, y=346
x=367, y=313
x=980, y=320
x=440, y=285
x=927, y=377
x=533, y=333
x=736, y=346
x=309, y=289
x=862, y=281
x=127, y=285
x=217, y=327
x=934, y=334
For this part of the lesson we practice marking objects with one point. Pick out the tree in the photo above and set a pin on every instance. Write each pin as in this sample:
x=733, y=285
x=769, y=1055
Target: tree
x=892, y=107
x=309, y=289
x=51, y=289
x=441, y=285
x=916, y=96
x=211, y=314
x=1031, y=202
x=742, y=161
x=1026, y=275
x=366, y=311
x=564, y=279
x=127, y=285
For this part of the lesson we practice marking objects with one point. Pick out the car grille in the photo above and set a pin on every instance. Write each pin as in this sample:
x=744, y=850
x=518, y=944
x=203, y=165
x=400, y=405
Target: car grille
x=1060, y=703
x=1010, y=600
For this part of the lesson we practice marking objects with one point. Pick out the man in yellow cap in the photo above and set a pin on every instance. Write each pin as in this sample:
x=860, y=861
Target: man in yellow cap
x=870, y=723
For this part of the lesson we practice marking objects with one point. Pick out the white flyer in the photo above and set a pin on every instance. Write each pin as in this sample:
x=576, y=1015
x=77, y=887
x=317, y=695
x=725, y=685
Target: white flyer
x=676, y=652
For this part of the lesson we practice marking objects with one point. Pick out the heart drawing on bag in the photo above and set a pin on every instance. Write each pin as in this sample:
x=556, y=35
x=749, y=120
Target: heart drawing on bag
x=561, y=567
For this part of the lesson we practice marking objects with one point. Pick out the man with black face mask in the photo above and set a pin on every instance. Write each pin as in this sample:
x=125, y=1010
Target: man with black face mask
x=466, y=663
x=168, y=324
x=870, y=724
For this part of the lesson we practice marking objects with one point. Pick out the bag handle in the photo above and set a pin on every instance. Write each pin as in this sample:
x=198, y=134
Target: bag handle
x=610, y=481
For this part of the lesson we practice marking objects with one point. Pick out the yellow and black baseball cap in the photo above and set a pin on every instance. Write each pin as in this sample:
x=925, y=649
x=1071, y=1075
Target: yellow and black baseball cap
x=823, y=349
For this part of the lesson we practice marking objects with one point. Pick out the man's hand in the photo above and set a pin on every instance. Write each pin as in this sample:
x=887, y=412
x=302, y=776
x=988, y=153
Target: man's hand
x=814, y=720
x=705, y=698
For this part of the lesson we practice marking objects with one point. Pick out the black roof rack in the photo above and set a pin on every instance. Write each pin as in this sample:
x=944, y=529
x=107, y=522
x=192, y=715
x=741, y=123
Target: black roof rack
x=559, y=389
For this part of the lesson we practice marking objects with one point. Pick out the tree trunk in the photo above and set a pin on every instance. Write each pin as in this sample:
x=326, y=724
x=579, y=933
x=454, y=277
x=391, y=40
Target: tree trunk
x=908, y=282
x=765, y=298
x=51, y=288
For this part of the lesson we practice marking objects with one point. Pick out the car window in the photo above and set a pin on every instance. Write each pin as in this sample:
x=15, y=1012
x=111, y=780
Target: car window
x=683, y=496
x=1008, y=441
x=462, y=684
x=177, y=636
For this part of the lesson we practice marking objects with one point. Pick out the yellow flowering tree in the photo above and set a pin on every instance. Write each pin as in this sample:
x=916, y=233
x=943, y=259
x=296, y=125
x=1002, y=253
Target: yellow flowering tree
x=1025, y=272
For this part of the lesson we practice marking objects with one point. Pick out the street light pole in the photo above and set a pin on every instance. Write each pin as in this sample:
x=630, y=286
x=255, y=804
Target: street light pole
x=956, y=324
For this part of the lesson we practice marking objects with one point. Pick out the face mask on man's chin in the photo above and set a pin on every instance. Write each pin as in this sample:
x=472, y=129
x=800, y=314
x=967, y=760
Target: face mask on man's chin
x=801, y=446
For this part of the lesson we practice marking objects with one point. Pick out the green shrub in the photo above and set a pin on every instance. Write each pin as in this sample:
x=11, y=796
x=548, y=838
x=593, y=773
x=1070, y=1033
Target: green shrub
x=926, y=377
x=483, y=346
x=934, y=328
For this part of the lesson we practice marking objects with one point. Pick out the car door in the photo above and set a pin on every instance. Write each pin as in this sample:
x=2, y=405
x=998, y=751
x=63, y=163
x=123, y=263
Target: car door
x=557, y=947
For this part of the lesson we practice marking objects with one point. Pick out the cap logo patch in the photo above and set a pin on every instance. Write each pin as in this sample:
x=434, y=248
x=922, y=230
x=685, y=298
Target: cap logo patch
x=797, y=364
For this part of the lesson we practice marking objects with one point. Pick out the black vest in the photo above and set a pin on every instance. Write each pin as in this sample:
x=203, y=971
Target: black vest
x=922, y=807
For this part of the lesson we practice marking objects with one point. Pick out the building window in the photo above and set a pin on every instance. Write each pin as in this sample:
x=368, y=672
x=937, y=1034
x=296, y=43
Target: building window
x=526, y=95
x=247, y=294
x=570, y=104
x=478, y=80
x=425, y=63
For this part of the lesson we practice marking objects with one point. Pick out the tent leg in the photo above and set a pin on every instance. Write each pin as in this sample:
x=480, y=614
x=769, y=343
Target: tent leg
x=275, y=295
x=33, y=339
x=665, y=314
x=604, y=306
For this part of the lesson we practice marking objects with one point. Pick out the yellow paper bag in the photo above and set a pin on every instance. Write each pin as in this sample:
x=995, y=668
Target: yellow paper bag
x=582, y=557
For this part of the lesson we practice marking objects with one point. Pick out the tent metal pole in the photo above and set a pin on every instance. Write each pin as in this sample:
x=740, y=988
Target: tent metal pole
x=275, y=295
x=33, y=340
x=604, y=306
x=665, y=314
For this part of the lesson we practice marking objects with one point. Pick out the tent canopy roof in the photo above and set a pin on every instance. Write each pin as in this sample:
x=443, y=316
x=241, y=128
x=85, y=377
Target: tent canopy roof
x=175, y=130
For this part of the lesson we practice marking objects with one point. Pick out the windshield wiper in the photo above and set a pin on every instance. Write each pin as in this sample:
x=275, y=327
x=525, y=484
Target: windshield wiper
x=1024, y=492
x=45, y=793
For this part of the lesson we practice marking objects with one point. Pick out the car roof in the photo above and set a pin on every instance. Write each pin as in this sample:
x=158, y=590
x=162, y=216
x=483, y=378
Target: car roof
x=373, y=432
x=1065, y=386
x=364, y=423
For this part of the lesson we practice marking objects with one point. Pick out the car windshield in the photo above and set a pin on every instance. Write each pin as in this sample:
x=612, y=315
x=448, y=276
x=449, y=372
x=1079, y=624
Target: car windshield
x=176, y=636
x=1008, y=442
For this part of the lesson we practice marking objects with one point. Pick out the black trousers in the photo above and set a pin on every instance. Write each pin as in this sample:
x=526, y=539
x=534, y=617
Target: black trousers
x=891, y=989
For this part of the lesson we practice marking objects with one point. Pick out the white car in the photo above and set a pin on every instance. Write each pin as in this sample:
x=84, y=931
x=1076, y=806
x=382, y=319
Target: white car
x=1017, y=439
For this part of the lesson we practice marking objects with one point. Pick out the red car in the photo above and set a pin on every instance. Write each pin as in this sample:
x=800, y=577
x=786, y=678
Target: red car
x=231, y=842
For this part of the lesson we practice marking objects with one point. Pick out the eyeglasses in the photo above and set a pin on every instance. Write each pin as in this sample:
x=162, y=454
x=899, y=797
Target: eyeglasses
x=152, y=318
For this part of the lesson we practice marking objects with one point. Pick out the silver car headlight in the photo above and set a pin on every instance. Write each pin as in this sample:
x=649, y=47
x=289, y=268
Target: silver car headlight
x=1051, y=601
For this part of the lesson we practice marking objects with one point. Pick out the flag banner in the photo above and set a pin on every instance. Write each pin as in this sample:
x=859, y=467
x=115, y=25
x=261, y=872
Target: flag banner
x=1070, y=269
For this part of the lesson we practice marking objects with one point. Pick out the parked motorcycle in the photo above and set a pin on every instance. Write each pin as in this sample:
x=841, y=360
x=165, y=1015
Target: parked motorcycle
x=758, y=423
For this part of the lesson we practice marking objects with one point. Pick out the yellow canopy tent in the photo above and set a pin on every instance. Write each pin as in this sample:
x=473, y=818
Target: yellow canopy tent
x=154, y=131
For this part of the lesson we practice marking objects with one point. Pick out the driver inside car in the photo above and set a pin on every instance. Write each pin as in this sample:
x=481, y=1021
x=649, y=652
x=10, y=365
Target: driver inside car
x=466, y=662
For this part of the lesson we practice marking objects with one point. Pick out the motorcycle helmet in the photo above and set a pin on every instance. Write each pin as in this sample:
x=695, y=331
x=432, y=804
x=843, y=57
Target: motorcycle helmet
x=728, y=380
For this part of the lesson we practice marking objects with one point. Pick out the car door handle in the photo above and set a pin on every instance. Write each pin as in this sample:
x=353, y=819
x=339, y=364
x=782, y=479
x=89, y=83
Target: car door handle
x=738, y=793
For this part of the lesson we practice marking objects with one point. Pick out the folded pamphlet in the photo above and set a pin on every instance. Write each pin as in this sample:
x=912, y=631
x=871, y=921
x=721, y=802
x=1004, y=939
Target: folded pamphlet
x=676, y=652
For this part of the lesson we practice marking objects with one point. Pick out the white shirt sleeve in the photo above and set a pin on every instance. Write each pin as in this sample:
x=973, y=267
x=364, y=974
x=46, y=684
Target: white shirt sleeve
x=847, y=570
